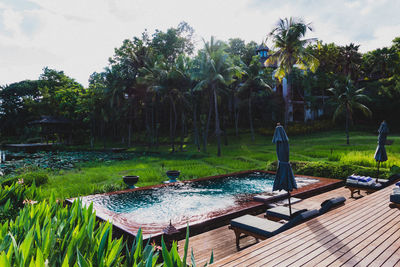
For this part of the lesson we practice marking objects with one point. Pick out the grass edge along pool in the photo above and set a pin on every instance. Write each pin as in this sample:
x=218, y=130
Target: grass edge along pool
x=215, y=219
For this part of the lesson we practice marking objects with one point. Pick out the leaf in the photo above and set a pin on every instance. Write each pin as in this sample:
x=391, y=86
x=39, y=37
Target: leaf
x=103, y=242
x=166, y=255
x=186, y=245
x=149, y=259
x=114, y=252
x=211, y=257
x=81, y=260
x=65, y=262
x=3, y=260
x=192, y=259
x=39, y=258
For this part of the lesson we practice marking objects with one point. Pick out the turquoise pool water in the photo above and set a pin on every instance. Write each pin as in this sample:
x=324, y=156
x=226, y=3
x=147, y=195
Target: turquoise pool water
x=183, y=202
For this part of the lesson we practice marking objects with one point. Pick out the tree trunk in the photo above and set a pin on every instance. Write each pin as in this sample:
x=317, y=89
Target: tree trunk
x=251, y=119
x=171, y=135
x=103, y=134
x=175, y=121
x=196, y=131
x=152, y=125
x=156, y=121
x=224, y=128
x=217, y=127
x=287, y=100
x=236, y=115
x=148, y=130
x=182, y=131
x=130, y=126
x=207, y=126
x=347, y=127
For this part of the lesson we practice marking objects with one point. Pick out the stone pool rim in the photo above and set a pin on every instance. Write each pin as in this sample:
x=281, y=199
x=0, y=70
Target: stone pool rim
x=252, y=207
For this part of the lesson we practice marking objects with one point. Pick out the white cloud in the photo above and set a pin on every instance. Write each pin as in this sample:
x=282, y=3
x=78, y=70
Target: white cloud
x=78, y=36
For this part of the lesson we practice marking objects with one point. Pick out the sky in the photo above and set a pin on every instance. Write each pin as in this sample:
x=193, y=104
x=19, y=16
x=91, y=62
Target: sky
x=78, y=36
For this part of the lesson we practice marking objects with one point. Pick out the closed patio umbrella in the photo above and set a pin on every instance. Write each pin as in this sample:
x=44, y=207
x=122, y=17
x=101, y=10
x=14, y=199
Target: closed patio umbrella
x=380, y=153
x=284, y=179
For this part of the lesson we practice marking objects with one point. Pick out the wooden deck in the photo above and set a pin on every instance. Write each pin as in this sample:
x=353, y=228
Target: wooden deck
x=221, y=241
x=365, y=232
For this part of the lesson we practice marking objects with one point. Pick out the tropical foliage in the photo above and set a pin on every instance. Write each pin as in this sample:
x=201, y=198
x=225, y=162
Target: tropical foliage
x=48, y=234
x=155, y=89
x=347, y=98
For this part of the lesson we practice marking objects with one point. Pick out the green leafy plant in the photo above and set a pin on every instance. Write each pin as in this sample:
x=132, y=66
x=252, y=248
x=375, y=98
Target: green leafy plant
x=13, y=197
x=47, y=233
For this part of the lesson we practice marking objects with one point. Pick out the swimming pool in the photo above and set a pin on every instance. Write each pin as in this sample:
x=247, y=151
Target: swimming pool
x=185, y=202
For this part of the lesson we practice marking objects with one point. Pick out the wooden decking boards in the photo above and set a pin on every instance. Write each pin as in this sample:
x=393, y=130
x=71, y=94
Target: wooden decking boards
x=364, y=232
x=222, y=240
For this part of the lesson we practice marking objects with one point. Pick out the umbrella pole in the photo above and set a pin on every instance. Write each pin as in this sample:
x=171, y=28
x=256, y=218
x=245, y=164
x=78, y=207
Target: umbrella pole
x=290, y=206
x=379, y=163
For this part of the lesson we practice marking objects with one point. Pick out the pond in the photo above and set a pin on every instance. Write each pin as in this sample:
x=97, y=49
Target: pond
x=55, y=160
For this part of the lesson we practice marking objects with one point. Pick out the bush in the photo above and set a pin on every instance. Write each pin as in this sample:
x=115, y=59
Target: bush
x=13, y=197
x=48, y=234
x=301, y=128
x=40, y=178
x=331, y=170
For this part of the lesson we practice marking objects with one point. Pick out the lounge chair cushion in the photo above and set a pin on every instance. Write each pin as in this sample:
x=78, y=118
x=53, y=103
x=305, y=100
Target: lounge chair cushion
x=269, y=228
x=256, y=225
x=331, y=203
x=283, y=212
x=395, y=198
x=301, y=217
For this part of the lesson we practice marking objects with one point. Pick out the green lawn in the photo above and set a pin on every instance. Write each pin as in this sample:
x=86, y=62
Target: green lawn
x=241, y=154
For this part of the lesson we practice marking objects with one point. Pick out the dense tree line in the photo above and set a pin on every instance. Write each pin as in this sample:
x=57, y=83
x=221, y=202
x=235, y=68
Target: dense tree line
x=158, y=84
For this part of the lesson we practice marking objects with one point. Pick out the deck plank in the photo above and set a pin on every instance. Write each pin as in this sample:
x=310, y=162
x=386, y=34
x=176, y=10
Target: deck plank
x=364, y=232
x=289, y=236
x=222, y=240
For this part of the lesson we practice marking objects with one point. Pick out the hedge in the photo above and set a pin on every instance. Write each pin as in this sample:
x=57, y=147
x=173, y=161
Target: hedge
x=331, y=170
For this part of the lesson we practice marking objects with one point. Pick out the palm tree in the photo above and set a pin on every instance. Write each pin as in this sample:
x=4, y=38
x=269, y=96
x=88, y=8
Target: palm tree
x=216, y=72
x=181, y=79
x=253, y=82
x=290, y=46
x=351, y=61
x=155, y=75
x=347, y=98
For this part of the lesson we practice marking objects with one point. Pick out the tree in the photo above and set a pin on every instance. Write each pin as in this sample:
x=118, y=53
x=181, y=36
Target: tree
x=15, y=102
x=216, y=72
x=351, y=61
x=381, y=63
x=173, y=42
x=253, y=82
x=290, y=50
x=347, y=98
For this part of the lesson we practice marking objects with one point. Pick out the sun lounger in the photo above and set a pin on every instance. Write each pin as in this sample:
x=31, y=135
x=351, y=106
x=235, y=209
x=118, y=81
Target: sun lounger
x=263, y=228
x=282, y=213
x=329, y=204
x=395, y=199
x=356, y=183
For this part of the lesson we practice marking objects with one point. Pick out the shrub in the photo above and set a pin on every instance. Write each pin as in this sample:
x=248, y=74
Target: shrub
x=331, y=170
x=40, y=178
x=12, y=199
x=48, y=234
x=301, y=128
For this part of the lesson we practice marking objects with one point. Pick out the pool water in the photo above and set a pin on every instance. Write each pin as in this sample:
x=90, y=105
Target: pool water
x=184, y=202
